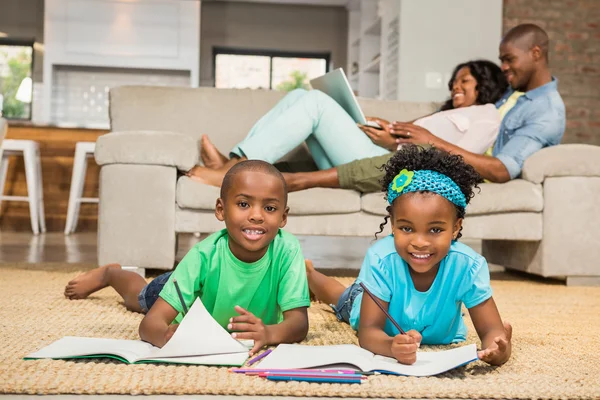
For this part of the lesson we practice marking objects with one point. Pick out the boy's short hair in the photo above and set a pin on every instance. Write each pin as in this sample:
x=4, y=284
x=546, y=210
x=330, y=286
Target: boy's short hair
x=251, y=165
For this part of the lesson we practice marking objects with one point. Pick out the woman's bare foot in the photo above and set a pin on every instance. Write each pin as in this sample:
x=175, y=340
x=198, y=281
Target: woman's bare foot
x=210, y=155
x=213, y=177
x=88, y=283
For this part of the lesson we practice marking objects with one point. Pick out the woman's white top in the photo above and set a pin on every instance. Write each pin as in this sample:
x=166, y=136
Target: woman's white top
x=473, y=128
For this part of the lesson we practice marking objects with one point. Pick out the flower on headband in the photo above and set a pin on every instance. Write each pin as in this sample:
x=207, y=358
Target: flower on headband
x=402, y=180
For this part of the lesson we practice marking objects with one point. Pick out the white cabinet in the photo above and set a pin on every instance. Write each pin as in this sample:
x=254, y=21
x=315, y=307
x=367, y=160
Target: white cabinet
x=407, y=49
x=92, y=45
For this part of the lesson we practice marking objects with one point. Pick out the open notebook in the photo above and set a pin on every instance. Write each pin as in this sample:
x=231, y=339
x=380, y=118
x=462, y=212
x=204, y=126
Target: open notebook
x=198, y=340
x=429, y=363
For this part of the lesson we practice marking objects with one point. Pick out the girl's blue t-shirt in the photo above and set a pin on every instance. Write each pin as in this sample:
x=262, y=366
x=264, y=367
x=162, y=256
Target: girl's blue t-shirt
x=463, y=278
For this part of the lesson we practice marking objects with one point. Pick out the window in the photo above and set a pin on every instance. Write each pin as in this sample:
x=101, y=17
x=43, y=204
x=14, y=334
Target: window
x=16, y=66
x=235, y=68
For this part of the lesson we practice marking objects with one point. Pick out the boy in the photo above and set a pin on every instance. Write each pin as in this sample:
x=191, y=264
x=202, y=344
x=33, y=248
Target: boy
x=251, y=267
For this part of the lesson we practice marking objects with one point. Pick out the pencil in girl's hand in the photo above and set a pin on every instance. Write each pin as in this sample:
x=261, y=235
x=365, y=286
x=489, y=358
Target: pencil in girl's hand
x=387, y=314
x=185, y=310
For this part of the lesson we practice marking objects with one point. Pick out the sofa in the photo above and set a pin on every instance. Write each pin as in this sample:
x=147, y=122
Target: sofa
x=544, y=223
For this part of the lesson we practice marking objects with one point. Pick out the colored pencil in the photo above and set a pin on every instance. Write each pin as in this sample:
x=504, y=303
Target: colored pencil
x=313, y=379
x=313, y=374
x=256, y=371
x=185, y=310
x=260, y=357
x=387, y=314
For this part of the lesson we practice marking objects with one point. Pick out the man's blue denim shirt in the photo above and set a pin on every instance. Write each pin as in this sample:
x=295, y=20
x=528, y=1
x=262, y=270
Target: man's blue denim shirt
x=537, y=120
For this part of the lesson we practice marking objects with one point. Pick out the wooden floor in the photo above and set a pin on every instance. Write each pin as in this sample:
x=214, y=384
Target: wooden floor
x=341, y=255
x=17, y=247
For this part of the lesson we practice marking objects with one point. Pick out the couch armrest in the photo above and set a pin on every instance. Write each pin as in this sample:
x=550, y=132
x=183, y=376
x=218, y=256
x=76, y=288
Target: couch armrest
x=562, y=160
x=147, y=148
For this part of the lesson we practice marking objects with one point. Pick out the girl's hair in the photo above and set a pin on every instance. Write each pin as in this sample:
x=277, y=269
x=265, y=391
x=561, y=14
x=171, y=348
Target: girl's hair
x=413, y=157
x=491, y=82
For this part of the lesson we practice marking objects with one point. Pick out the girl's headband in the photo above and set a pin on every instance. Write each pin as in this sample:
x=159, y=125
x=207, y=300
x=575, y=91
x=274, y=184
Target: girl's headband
x=425, y=180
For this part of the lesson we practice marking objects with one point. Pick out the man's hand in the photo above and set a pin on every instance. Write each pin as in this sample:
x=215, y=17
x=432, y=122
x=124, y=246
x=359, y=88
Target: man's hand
x=380, y=137
x=170, y=331
x=409, y=133
x=498, y=352
x=248, y=326
x=404, y=347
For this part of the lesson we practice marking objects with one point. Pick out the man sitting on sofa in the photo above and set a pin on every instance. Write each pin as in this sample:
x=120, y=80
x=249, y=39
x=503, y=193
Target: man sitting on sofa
x=536, y=120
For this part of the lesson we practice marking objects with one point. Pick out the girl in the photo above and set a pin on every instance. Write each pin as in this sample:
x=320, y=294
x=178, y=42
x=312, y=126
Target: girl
x=420, y=273
x=469, y=119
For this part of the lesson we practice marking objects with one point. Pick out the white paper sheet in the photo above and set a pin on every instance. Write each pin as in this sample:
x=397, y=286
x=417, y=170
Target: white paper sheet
x=428, y=363
x=198, y=340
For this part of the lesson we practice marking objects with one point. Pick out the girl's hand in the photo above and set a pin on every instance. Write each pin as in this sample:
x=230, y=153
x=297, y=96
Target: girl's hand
x=248, y=326
x=409, y=133
x=498, y=352
x=404, y=347
x=170, y=331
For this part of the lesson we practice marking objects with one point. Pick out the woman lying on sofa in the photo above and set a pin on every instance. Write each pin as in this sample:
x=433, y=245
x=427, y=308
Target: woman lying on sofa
x=468, y=119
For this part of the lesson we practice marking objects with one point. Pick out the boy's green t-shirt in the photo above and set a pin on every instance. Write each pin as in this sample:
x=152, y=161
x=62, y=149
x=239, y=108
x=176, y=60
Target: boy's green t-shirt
x=268, y=287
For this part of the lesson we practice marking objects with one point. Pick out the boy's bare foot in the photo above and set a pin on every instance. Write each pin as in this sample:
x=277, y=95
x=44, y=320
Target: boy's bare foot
x=88, y=283
x=211, y=156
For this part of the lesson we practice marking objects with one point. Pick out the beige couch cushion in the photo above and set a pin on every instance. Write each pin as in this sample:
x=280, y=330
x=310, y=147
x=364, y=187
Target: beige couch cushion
x=395, y=110
x=517, y=195
x=195, y=195
x=514, y=196
x=563, y=160
x=147, y=148
x=225, y=115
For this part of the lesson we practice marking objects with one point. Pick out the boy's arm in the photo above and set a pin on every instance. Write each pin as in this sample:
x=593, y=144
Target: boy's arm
x=494, y=335
x=293, y=328
x=156, y=326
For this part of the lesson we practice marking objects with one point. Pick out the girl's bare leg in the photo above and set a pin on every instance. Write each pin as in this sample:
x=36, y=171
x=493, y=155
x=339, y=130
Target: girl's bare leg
x=127, y=283
x=325, y=288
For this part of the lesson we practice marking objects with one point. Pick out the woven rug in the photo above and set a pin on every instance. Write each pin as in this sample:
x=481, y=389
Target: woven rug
x=555, y=347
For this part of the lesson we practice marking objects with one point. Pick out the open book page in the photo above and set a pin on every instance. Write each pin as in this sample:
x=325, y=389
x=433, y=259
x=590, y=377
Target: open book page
x=428, y=363
x=198, y=340
x=198, y=335
x=72, y=347
x=301, y=356
x=287, y=356
x=232, y=359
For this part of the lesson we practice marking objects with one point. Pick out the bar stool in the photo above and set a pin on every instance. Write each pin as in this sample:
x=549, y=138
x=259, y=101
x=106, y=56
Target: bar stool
x=83, y=151
x=33, y=174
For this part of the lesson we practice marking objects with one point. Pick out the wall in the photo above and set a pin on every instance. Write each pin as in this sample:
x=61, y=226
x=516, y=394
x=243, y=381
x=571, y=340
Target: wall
x=25, y=19
x=574, y=30
x=271, y=27
x=435, y=36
